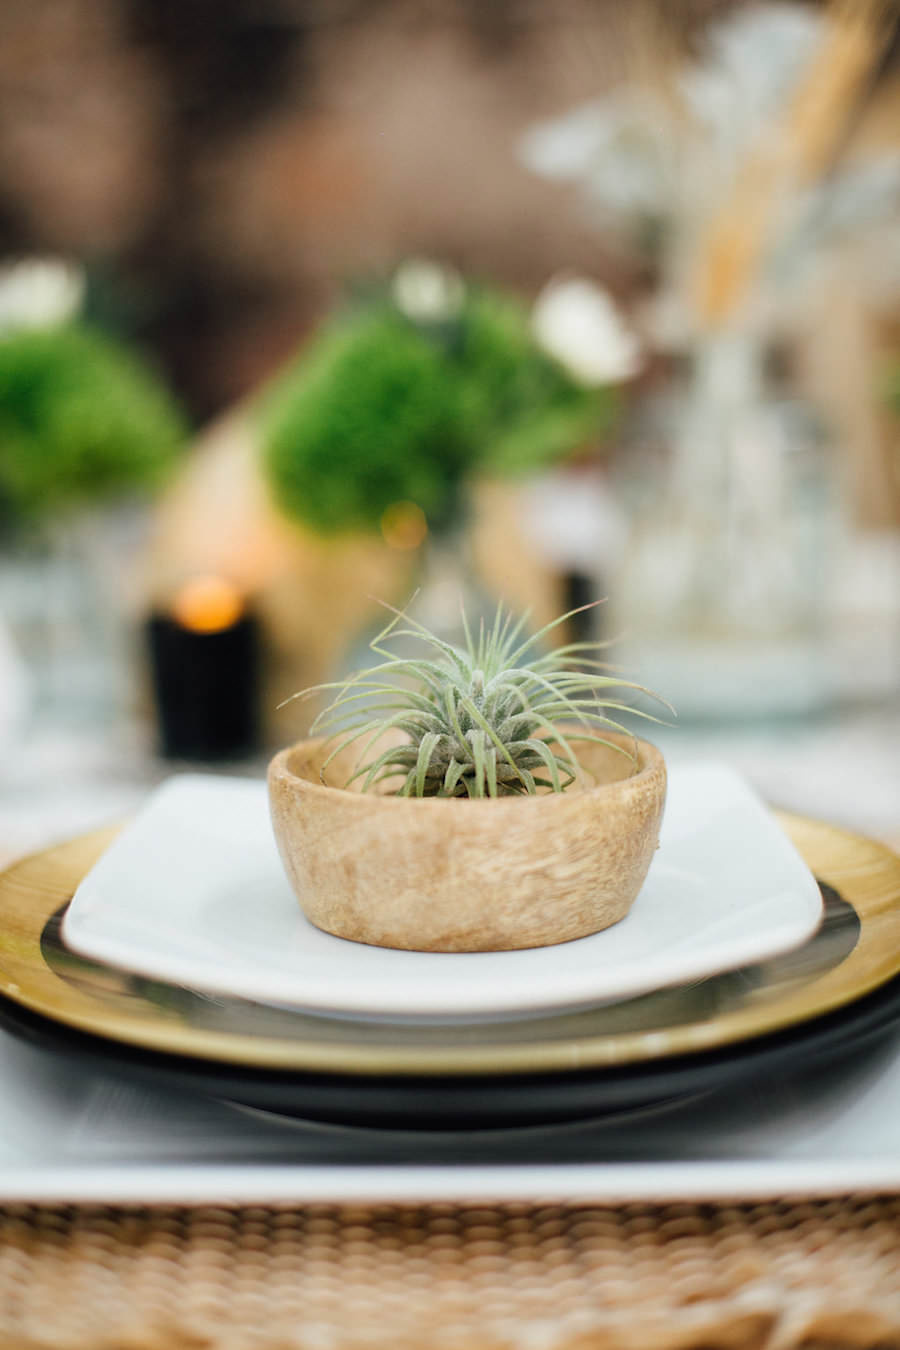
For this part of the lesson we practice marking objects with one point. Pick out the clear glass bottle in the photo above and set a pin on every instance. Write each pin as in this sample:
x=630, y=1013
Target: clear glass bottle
x=722, y=592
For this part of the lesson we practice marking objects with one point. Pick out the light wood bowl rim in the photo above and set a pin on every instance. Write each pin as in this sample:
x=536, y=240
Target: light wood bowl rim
x=652, y=765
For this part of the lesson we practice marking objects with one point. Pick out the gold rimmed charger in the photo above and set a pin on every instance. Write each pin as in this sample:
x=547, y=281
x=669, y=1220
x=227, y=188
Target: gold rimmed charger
x=857, y=951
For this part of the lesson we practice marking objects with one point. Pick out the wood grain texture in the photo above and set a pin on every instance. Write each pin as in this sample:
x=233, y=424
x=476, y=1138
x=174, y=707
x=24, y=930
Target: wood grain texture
x=429, y=874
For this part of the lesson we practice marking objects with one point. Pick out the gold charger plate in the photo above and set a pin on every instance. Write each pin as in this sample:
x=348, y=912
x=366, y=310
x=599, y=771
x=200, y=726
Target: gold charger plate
x=856, y=952
x=826, y=999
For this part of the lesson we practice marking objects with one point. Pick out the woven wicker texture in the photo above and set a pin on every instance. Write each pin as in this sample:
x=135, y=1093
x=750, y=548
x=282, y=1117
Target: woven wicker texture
x=494, y=1278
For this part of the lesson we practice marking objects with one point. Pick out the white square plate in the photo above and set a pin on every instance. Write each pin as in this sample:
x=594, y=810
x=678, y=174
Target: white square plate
x=193, y=892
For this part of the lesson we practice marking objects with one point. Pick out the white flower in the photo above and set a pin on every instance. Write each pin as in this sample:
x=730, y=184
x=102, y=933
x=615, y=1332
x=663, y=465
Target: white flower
x=427, y=291
x=39, y=293
x=577, y=323
x=620, y=149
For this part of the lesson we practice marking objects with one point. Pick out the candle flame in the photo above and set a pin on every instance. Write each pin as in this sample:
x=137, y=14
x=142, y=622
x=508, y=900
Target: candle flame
x=207, y=604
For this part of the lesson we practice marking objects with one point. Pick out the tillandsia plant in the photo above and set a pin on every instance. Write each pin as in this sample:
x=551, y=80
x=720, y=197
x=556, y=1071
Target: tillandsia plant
x=481, y=720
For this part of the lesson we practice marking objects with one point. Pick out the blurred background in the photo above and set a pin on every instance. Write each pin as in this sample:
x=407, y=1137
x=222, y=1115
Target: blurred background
x=307, y=304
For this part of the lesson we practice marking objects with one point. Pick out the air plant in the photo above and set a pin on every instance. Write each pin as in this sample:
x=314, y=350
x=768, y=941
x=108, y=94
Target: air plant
x=481, y=720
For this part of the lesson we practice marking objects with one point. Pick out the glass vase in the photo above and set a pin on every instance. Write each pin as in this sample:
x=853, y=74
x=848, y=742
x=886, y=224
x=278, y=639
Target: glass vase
x=723, y=587
x=63, y=603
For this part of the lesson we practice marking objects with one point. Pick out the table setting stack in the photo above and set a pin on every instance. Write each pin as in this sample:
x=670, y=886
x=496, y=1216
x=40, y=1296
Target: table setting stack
x=403, y=1058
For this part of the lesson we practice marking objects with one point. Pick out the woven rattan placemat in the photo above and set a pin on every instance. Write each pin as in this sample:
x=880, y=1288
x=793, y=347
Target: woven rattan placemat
x=539, y=1277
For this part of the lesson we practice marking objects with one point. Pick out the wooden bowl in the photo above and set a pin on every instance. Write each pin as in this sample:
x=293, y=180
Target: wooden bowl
x=454, y=875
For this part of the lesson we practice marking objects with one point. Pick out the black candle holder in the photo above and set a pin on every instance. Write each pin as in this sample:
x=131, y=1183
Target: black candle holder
x=206, y=687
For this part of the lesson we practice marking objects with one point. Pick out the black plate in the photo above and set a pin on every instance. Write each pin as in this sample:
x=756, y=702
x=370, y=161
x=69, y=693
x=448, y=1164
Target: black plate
x=465, y=1103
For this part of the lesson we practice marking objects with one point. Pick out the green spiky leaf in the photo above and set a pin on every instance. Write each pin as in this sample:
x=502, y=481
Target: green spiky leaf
x=497, y=717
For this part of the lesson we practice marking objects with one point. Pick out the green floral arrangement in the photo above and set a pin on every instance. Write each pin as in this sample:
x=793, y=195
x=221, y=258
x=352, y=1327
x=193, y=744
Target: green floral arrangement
x=81, y=420
x=385, y=406
x=523, y=409
x=366, y=417
x=495, y=717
